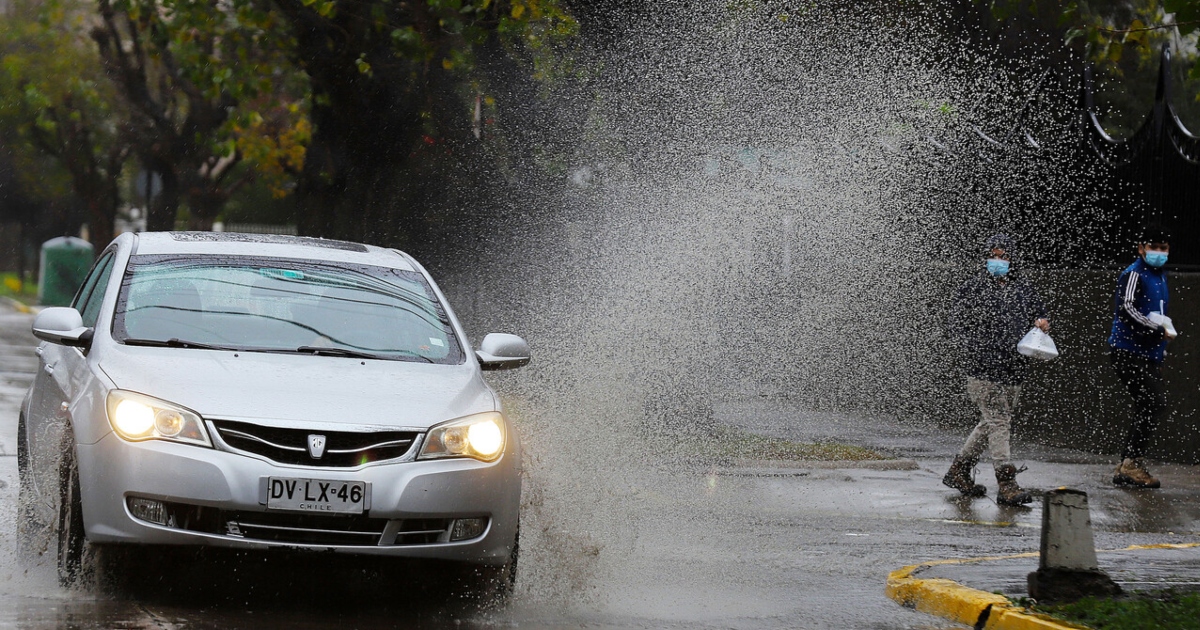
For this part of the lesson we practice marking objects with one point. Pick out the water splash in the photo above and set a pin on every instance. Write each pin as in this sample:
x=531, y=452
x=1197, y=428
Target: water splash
x=764, y=204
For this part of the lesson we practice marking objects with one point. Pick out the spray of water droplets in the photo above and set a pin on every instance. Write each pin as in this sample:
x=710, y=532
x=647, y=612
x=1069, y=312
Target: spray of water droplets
x=764, y=204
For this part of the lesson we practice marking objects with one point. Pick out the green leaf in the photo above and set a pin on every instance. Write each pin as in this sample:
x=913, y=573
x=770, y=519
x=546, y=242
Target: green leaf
x=1113, y=54
x=363, y=66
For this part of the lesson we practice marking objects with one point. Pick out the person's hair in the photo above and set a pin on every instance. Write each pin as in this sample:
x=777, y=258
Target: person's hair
x=1154, y=235
x=1001, y=241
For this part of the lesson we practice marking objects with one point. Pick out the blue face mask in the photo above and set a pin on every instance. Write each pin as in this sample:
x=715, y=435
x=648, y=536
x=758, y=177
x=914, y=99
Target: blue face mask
x=1156, y=259
x=997, y=267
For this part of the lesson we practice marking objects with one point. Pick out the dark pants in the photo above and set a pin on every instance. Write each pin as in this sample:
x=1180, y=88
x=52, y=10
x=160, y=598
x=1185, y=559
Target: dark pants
x=1144, y=380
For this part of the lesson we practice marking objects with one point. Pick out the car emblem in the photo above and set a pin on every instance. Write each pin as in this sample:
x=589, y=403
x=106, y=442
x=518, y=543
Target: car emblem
x=316, y=446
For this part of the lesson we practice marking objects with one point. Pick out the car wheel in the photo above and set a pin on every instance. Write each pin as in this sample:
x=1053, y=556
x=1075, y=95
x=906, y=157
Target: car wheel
x=31, y=530
x=73, y=567
x=499, y=583
x=508, y=579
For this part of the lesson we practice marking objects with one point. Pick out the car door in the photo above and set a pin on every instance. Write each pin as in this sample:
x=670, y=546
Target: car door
x=61, y=374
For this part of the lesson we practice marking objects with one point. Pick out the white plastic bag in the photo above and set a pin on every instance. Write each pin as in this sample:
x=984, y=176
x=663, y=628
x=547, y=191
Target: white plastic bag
x=1162, y=320
x=1038, y=345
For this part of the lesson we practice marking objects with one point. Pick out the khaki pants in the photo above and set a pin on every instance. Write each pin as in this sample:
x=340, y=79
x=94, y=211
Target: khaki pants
x=996, y=404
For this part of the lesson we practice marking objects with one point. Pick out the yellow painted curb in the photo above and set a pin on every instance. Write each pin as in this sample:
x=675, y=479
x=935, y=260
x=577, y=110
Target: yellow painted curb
x=950, y=600
x=17, y=304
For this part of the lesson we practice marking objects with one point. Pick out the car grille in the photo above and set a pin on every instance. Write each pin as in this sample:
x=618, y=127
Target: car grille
x=308, y=529
x=304, y=528
x=343, y=449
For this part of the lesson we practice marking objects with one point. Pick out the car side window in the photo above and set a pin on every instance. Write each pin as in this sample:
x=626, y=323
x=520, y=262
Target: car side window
x=92, y=294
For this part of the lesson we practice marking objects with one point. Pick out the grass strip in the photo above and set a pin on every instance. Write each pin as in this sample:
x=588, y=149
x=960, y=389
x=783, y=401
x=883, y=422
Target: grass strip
x=1150, y=610
x=12, y=286
x=733, y=444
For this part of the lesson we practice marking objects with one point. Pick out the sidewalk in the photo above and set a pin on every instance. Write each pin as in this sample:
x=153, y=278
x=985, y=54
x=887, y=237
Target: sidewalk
x=1154, y=536
x=976, y=591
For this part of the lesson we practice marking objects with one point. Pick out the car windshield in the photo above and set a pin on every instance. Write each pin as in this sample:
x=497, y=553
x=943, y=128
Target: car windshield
x=283, y=305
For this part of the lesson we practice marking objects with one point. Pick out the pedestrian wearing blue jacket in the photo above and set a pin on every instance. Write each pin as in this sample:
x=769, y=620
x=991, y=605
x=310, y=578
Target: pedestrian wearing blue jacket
x=990, y=314
x=1140, y=332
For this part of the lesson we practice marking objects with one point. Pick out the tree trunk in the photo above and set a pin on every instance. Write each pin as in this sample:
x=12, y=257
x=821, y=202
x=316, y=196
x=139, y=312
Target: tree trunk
x=102, y=213
x=205, y=204
x=161, y=209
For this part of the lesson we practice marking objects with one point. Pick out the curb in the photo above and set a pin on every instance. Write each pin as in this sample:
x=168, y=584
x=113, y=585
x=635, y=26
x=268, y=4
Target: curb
x=21, y=307
x=987, y=611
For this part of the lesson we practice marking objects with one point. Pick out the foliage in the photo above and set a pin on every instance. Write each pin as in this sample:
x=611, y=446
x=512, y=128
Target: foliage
x=1112, y=29
x=213, y=95
x=210, y=85
x=738, y=444
x=403, y=102
x=11, y=285
x=1123, y=39
x=53, y=99
x=1158, y=610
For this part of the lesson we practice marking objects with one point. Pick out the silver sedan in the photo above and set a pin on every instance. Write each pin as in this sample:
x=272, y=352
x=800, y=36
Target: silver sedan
x=263, y=391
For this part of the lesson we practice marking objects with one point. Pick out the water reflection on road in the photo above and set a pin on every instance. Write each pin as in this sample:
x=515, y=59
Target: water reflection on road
x=188, y=589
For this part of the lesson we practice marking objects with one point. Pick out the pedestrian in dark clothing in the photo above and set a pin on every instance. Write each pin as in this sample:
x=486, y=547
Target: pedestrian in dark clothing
x=990, y=314
x=1140, y=332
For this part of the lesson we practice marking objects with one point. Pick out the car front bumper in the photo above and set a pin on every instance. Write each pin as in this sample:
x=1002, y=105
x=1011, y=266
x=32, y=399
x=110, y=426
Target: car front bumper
x=221, y=487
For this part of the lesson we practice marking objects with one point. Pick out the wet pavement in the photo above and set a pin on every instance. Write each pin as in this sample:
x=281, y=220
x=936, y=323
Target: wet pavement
x=651, y=546
x=1132, y=569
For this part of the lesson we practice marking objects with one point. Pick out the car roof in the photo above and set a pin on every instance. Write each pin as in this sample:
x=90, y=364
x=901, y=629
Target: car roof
x=275, y=245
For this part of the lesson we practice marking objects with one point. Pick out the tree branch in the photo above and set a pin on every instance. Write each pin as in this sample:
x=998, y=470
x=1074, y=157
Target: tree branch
x=1148, y=28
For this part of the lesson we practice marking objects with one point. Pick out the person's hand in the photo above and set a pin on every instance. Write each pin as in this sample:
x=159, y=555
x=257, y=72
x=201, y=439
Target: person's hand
x=1042, y=323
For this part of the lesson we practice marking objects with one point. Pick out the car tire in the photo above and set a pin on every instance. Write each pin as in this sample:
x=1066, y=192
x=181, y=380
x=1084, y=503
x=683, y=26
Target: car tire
x=500, y=582
x=71, y=537
x=74, y=553
x=32, y=533
x=508, y=579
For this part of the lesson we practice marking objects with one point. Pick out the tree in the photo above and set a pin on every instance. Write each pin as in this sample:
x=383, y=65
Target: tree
x=399, y=93
x=55, y=98
x=1122, y=38
x=208, y=85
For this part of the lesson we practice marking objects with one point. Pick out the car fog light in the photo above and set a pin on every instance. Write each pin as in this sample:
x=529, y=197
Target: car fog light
x=133, y=417
x=168, y=422
x=148, y=510
x=467, y=528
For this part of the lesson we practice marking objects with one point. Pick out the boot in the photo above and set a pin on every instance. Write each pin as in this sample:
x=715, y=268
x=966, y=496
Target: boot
x=961, y=478
x=1009, y=492
x=1132, y=472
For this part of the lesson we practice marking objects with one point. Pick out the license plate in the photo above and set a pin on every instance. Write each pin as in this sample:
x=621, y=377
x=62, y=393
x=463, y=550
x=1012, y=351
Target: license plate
x=316, y=495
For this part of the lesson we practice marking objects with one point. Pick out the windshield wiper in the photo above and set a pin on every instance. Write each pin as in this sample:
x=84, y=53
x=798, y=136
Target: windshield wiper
x=175, y=342
x=357, y=354
x=337, y=352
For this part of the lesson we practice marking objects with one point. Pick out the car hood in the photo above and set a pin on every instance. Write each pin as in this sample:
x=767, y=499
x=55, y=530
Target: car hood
x=301, y=389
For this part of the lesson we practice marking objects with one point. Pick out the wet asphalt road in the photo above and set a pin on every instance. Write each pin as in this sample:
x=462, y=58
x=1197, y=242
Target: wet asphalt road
x=686, y=548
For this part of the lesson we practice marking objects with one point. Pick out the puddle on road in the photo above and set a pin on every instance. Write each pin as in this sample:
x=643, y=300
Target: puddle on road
x=250, y=590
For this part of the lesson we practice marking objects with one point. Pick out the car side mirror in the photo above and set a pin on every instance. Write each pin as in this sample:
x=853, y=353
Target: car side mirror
x=500, y=351
x=62, y=325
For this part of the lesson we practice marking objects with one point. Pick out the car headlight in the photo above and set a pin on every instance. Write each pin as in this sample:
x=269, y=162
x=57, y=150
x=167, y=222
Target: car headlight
x=138, y=417
x=480, y=436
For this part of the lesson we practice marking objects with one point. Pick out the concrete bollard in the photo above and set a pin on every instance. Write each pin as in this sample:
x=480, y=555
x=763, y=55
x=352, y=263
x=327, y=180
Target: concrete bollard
x=1068, y=569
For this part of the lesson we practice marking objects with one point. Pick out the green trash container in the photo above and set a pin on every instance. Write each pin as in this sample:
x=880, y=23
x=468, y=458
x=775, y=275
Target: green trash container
x=64, y=264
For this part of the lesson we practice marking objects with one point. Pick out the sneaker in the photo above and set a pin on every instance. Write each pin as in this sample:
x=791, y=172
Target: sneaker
x=1132, y=473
